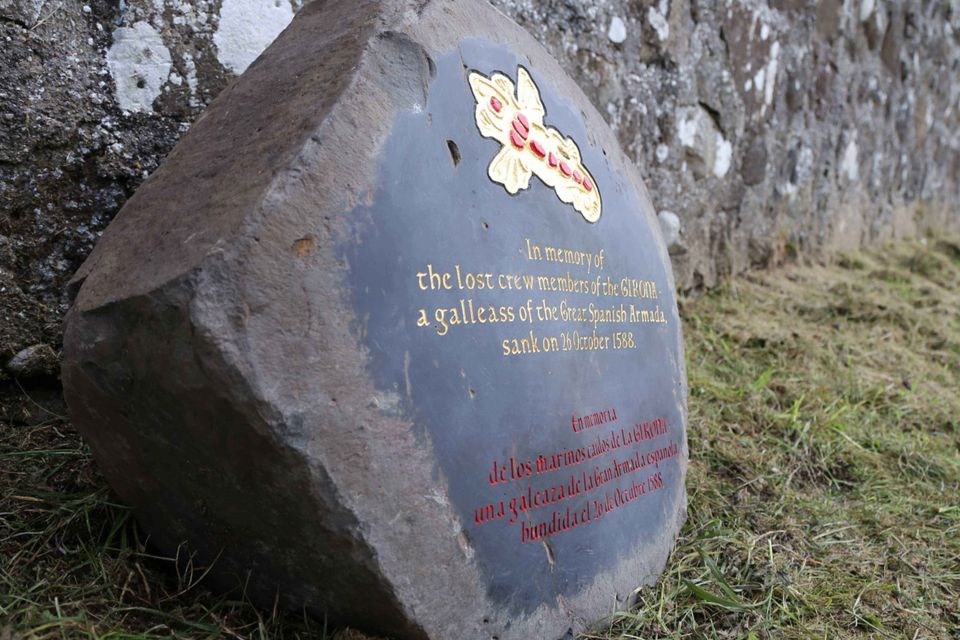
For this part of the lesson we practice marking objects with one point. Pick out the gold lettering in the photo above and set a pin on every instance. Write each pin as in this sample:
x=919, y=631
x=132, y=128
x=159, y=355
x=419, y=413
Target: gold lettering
x=577, y=310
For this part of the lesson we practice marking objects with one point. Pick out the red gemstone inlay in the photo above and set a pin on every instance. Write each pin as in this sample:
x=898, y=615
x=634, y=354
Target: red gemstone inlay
x=516, y=139
x=552, y=159
x=577, y=177
x=565, y=169
x=520, y=129
x=495, y=104
x=523, y=120
x=587, y=184
x=537, y=148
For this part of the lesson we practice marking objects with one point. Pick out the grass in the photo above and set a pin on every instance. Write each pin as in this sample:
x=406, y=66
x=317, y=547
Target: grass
x=824, y=480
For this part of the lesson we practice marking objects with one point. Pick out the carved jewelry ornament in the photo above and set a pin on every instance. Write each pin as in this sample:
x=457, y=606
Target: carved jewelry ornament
x=529, y=147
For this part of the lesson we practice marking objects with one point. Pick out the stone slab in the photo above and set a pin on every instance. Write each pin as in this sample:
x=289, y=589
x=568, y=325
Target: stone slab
x=392, y=333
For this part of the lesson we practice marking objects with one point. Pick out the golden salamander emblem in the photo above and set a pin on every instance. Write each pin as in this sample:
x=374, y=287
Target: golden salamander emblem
x=529, y=147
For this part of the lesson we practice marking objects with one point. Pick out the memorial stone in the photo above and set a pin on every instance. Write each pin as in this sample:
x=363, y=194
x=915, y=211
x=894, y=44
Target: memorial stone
x=391, y=335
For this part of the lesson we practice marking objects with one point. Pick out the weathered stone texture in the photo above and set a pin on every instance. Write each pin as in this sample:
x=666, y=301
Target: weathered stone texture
x=246, y=358
x=799, y=124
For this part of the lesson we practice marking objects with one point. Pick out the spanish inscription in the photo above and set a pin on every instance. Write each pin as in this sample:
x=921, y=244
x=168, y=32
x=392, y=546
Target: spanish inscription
x=581, y=486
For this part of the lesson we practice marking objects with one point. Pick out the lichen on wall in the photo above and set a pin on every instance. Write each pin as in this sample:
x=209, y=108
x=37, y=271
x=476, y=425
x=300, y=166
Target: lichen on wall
x=139, y=64
x=246, y=28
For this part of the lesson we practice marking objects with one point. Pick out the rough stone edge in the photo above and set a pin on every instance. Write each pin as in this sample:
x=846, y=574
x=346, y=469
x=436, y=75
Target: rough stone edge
x=105, y=289
x=609, y=142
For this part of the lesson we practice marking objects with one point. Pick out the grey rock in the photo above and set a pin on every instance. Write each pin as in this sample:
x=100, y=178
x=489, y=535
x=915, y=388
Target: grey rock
x=617, y=32
x=753, y=166
x=670, y=228
x=875, y=27
x=893, y=41
x=24, y=12
x=34, y=361
x=246, y=358
x=707, y=149
x=828, y=18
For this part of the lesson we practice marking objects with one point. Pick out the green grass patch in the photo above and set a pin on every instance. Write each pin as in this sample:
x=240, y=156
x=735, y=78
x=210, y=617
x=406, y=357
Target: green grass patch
x=823, y=487
x=824, y=474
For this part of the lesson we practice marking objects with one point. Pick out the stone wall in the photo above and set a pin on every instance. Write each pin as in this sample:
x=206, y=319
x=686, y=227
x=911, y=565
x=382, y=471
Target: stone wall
x=770, y=129
x=764, y=130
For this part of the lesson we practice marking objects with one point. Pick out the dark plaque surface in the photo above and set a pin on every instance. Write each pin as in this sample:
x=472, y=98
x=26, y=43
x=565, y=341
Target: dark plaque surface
x=538, y=351
x=393, y=332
